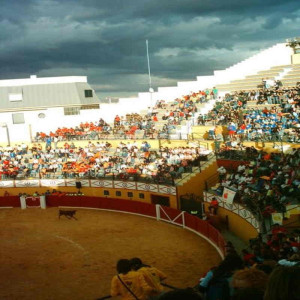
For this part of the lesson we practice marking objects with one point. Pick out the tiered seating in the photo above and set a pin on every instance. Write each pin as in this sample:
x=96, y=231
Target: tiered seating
x=270, y=114
x=288, y=74
x=251, y=82
x=292, y=77
x=267, y=182
x=127, y=161
x=164, y=120
x=257, y=273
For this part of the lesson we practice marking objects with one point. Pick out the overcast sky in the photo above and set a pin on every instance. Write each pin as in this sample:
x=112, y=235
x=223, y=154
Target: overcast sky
x=105, y=39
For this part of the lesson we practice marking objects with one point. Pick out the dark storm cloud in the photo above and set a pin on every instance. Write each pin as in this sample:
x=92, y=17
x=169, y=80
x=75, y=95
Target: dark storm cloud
x=170, y=11
x=105, y=40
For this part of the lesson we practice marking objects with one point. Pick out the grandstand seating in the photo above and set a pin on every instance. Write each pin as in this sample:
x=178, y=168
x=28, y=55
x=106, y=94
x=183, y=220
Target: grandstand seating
x=292, y=77
x=288, y=74
x=251, y=82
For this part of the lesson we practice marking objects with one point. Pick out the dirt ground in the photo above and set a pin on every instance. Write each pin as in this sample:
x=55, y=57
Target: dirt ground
x=42, y=257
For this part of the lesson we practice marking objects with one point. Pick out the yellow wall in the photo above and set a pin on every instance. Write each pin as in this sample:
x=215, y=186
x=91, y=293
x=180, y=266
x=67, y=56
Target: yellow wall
x=154, y=143
x=196, y=184
x=237, y=225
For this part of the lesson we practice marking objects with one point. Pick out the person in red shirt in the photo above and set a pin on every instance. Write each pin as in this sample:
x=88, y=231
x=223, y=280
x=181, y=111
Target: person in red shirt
x=66, y=146
x=213, y=207
x=117, y=120
x=294, y=243
x=277, y=229
x=42, y=135
x=248, y=257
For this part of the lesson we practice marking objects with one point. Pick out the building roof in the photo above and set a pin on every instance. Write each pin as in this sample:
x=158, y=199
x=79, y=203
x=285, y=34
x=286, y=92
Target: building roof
x=36, y=93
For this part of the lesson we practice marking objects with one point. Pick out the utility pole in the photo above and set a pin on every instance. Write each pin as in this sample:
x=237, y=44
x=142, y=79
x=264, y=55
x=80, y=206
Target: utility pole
x=149, y=73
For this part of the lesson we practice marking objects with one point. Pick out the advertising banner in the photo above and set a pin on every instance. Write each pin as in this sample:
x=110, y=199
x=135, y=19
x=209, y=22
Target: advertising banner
x=228, y=195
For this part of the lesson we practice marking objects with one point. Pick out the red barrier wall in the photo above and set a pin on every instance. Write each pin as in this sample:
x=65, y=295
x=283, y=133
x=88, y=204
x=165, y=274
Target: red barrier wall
x=192, y=222
x=9, y=201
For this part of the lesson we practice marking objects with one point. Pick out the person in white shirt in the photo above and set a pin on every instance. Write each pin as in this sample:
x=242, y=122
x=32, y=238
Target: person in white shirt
x=241, y=168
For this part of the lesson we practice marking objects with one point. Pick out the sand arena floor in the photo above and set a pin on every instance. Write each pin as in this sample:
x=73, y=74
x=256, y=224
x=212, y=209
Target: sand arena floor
x=42, y=257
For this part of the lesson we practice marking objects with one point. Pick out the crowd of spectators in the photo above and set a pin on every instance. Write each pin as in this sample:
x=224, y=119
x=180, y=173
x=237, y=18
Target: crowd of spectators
x=99, y=160
x=269, y=270
x=135, y=125
x=266, y=183
x=276, y=120
x=87, y=130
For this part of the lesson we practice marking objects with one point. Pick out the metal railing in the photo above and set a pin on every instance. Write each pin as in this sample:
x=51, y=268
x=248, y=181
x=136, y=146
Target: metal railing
x=127, y=177
x=105, y=137
x=197, y=168
x=211, y=181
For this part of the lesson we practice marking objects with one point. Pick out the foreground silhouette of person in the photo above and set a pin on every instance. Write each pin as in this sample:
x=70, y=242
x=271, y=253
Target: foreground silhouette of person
x=181, y=294
x=128, y=284
x=152, y=276
x=284, y=284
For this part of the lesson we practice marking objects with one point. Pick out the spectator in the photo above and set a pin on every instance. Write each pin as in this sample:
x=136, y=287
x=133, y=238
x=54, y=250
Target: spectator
x=152, y=276
x=222, y=172
x=181, y=294
x=129, y=285
x=284, y=284
x=248, y=294
x=253, y=279
x=213, y=207
x=218, y=286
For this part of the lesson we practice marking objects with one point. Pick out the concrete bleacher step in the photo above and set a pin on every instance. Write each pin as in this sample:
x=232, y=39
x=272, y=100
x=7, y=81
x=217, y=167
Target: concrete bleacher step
x=294, y=69
x=281, y=67
x=290, y=80
x=242, y=86
x=251, y=81
x=260, y=76
x=291, y=77
x=248, y=81
x=268, y=72
x=239, y=86
x=292, y=73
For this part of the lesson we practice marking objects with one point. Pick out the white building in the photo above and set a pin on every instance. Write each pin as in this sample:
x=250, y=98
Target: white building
x=36, y=104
